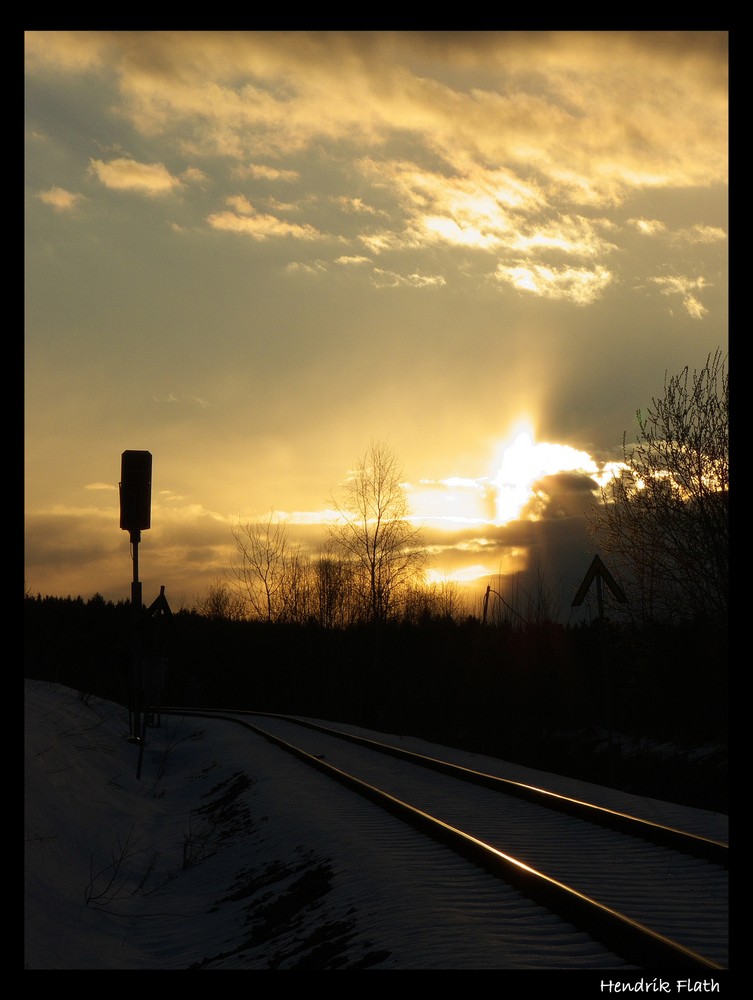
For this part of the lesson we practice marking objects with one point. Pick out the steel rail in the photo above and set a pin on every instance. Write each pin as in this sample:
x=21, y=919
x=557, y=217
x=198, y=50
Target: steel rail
x=624, y=936
x=704, y=848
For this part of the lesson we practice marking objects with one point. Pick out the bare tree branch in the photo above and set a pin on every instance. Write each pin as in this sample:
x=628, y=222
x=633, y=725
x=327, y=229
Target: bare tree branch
x=374, y=533
x=666, y=514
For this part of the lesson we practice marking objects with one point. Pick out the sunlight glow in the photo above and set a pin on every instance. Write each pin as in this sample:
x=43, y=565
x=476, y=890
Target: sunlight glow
x=466, y=575
x=610, y=470
x=448, y=503
x=523, y=463
x=451, y=231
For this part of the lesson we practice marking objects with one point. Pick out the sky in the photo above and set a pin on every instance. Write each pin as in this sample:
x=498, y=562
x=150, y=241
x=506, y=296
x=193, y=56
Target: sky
x=254, y=254
x=207, y=850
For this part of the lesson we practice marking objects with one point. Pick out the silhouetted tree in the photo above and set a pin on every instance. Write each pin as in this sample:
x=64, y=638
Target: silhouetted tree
x=665, y=516
x=335, y=593
x=424, y=602
x=269, y=572
x=374, y=533
x=222, y=603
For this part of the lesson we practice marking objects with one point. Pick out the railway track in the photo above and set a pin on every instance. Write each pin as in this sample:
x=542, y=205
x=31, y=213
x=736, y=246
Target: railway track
x=628, y=882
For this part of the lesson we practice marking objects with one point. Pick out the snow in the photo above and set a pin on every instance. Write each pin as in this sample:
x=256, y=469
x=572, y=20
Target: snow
x=226, y=853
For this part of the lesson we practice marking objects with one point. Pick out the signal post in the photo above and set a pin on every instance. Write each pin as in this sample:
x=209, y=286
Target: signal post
x=135, y=517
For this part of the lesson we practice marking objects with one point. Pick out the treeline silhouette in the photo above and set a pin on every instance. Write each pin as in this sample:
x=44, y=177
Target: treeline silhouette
x=543, y=695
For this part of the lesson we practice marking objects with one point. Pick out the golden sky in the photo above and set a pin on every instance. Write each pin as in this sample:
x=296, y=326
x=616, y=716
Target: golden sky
x=254, y=253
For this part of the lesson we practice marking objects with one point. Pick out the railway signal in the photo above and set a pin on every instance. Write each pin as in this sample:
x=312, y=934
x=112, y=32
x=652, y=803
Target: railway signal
x=135, y=516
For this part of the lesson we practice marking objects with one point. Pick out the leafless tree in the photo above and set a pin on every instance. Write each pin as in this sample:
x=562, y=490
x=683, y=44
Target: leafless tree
x=374, y=533
x=268, y=570
x=335, y=592
x=221, y=602
x=297, y=597
x=665, y=517
x=435, y=600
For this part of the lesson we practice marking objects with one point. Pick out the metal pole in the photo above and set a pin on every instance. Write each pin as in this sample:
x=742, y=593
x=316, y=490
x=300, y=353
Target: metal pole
x=606, y=675
x=135, y=644
x=141, y=749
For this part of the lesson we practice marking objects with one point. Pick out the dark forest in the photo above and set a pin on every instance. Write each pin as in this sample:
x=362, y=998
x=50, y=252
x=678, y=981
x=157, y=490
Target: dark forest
x=640, y=708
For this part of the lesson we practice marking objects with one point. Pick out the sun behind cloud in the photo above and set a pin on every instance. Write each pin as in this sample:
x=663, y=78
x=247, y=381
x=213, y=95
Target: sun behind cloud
x=523, y=463
x=458, y=503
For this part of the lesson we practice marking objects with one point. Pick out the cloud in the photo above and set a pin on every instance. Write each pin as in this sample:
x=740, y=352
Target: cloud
x=702, y=234
x=69, y=51
x=472, y=207
x=699, y=234
x=573, y=235
x=352, y=260
x=69, y=538
x=648, y=227
x=686, y=288
x=82, y=550
x=259, y=226
x=310, y=267
x=389, y=279
x=193, y=174
x=411, y=144
x=60, y=199
x=241, y=204
x=592, y=136
x=579, y=285
x=461, y=234
x=355, y=205
x=124, y=174
x=493, y=212
x=260, y=171
x=563, y=494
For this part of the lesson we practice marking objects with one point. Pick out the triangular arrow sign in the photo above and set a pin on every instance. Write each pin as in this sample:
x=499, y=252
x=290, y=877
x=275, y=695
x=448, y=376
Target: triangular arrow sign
x=597, y=568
